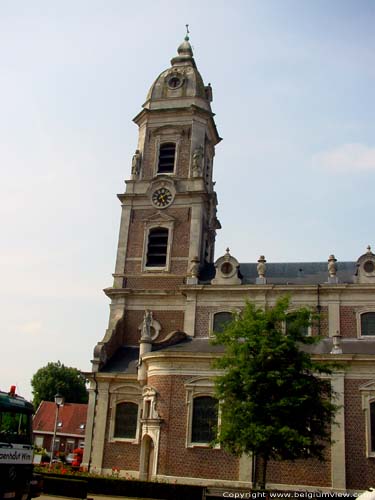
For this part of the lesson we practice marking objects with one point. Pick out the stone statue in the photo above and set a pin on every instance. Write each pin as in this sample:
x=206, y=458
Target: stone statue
x=332, y=267
x=261, y=267
x=197, y=162
x=146, y=327
x=136, y=164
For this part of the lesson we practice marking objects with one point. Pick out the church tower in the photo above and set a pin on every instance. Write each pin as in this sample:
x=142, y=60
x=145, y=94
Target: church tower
x=168, y=219
x=168, y=222
x=167, y=237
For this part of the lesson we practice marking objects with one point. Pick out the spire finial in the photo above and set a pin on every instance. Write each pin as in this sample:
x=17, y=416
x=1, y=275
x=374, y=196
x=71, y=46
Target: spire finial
x=368, y=248
x=187, y=32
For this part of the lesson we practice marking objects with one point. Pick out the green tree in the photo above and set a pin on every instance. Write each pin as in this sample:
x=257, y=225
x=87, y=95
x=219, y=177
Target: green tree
x=274, y=402
x=56, y=377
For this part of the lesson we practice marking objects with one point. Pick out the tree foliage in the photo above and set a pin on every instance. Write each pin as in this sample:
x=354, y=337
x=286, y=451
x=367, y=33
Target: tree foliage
x=274, y=402
x=56, y=377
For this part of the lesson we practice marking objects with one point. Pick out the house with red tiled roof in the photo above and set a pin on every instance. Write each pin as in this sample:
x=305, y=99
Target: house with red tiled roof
x=70, y=426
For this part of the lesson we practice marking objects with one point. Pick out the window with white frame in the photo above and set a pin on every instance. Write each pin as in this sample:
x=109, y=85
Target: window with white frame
x=202, y=413
x=368, y=406
x=367, y=323
x=204, y=419
x=166, y=160
x=157, y=247
x=126, y=420
x=220, y=320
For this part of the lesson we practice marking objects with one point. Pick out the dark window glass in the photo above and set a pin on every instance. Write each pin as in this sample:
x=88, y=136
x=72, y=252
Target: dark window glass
x=204, y=419
x=368, y=323
x=368, y=266
x=289, y=324
x=221, y=319
x=167, y=154
x=157, y=247
x=126, y=420
x=372, y=425
x=15, y=427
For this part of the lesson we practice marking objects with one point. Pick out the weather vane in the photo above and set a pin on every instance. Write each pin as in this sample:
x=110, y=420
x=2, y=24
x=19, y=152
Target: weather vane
x=187, y=32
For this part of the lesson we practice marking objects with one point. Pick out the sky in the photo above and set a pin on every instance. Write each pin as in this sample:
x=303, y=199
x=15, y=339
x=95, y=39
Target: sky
x=293, y=84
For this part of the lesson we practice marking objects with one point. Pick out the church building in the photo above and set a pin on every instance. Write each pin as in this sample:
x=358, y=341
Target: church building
x=152, y=410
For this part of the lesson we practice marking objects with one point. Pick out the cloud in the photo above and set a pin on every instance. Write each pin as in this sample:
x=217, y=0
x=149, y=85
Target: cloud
x=31, y=327
x=347, y=158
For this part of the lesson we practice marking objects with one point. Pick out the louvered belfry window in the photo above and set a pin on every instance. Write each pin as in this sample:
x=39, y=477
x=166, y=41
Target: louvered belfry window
x=204, y=423
x=167, y=153
x=157, y=247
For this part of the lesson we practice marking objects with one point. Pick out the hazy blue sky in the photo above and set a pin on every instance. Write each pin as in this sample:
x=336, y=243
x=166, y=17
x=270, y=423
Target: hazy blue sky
x=293, y=85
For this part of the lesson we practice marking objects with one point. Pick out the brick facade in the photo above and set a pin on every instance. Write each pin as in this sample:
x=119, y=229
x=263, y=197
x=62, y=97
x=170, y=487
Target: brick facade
x=348, y=323
x=360, y=470
x=170, y=321
x=189, y=287
x=175, y=458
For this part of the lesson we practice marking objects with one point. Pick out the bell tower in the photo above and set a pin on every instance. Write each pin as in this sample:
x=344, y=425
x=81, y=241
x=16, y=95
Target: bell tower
x=168, y=222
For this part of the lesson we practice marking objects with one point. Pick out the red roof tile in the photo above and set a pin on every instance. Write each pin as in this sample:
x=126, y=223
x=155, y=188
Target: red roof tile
x=71, y=416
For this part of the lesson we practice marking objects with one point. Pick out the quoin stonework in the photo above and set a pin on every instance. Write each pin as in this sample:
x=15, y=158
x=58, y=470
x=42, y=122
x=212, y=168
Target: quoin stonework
x=152, y=410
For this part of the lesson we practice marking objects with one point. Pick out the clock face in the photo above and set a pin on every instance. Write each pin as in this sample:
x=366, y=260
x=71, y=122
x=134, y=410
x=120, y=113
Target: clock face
x=162, y=197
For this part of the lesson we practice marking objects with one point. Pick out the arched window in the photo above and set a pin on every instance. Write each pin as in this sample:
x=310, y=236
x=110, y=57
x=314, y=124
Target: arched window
x=126, y=420
x=157, y=247
x=368, y=324
x=220, y=320
x=167, y=153
x=372, y=426
x=204, y=421
x=290, y=324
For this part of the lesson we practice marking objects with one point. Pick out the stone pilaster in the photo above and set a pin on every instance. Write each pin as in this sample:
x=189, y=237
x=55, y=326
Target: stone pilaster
x=100, y=427
x=338, y=466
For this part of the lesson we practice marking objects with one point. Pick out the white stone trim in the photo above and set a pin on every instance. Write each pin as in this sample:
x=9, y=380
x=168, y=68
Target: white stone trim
x=197, y=387
x=338, y=458
x=358, y=314
x=124, y=393
x=162, y=139
x=152, y=225
x=368, y=397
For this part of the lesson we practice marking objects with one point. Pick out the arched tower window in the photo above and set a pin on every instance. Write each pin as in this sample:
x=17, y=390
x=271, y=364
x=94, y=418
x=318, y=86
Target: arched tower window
x=167, y=154
x=157, y=247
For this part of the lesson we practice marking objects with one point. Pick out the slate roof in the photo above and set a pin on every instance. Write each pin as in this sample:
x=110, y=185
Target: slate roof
x=126, y=358
x=282, y=273
x=349, y=346
x=71, y=415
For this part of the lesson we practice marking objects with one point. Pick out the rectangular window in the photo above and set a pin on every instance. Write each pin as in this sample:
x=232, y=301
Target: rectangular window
x=167, y=153
x=368, y=324
x=372, y=426
x=126, y=420
x=157, y=247
x=204, y=423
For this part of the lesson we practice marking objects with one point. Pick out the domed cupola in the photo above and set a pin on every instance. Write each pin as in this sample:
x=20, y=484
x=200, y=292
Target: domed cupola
x=181, y=85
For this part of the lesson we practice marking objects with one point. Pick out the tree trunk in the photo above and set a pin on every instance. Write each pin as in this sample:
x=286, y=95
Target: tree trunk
x=254, y=479
x=262, y=484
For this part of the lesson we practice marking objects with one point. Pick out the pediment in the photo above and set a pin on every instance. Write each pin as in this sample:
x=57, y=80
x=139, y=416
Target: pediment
x=159, y=217
x=170, y=130
x=199, y=382
x=369, y=386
